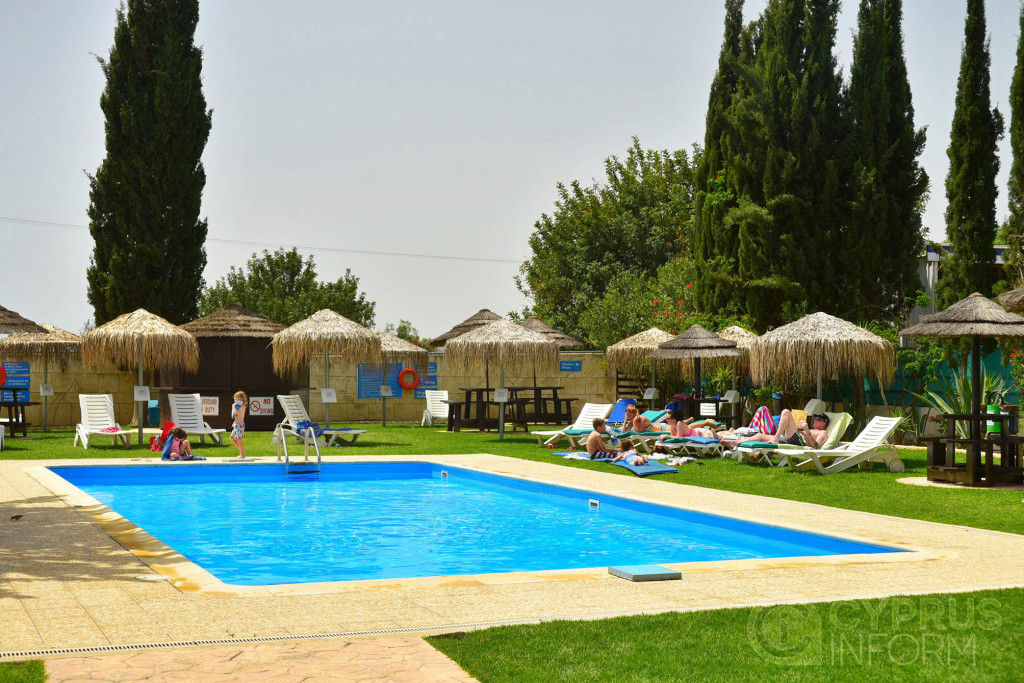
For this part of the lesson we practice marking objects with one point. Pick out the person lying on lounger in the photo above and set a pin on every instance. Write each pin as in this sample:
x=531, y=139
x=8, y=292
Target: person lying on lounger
x=812, y=433
x=628, y=454
x=635, y=422
x=679, y=426
x=595, y=441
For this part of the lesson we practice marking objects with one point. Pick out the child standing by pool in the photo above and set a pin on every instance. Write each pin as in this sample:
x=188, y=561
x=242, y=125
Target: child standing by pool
x=238, y=422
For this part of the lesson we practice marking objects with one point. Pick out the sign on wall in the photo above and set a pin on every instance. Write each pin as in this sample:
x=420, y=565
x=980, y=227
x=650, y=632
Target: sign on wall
x=210, y=404
x=261, y=405
x=570, y=365
x=369, y=378
x=328, y=395
x=8, y=396
x=14, y=375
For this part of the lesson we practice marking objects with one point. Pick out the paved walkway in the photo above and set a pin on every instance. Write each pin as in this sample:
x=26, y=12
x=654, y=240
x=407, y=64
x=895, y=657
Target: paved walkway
x=382, y=659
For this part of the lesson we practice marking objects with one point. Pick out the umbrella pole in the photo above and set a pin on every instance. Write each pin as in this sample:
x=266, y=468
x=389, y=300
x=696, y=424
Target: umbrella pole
x=696, y=379
x=142, y=404
x=819, y=378
x=327, y=385
x=384, y=401
x=46, y=357
x=501, y=409
x=976, y=385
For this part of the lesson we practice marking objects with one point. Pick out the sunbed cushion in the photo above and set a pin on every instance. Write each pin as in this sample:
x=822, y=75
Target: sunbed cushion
x=647, y=469
x=576, y=432
x=699, y=439
x=759, y=444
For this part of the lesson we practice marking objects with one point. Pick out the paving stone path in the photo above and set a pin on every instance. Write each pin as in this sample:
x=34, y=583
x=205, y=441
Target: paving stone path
x=362, y=659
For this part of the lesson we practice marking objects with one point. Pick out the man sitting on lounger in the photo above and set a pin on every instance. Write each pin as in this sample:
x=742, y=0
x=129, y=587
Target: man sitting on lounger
x=595, y=441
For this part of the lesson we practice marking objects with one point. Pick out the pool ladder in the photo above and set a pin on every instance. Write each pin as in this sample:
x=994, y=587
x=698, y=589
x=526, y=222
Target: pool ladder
x=303, y=466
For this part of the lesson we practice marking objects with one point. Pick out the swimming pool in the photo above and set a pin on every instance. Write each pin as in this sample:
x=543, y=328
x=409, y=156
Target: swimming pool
x=252, y=525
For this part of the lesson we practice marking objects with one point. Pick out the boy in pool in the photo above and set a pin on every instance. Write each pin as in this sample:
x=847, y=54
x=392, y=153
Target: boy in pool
x=595, y=441
x=629, y=455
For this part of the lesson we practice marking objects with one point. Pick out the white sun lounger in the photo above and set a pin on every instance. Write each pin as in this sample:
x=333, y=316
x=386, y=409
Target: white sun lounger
x=295, y=412
x=98, y=419
x=187, y=413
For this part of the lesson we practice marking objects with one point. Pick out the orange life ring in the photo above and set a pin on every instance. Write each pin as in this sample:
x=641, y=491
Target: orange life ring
x=405, y=375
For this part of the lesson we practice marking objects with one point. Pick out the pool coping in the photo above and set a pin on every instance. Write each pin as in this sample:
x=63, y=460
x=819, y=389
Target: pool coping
x=65, y=583
x=188, y=576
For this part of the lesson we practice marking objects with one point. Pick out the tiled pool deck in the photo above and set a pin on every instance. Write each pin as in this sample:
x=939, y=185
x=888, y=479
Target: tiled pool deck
x=66, y=583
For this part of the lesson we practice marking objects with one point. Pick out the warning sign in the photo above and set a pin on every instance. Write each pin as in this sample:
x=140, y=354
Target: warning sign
x=211, y=405
x=261, y=405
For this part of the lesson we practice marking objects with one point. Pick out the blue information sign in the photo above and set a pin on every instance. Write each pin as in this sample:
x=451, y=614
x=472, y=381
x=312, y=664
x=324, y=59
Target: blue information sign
x=420, y=393
x=428, y=382
x=570, y=365
x=369, y=378
x=15, y=367
x=17, y=382
x=9, y=395
x=432, y=368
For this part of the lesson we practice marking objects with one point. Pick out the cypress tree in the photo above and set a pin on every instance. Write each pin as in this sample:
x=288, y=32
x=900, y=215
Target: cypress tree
x=973, y=165
x=711, y=235
x=145, y=197
x=1015, y=221
x=887, y=183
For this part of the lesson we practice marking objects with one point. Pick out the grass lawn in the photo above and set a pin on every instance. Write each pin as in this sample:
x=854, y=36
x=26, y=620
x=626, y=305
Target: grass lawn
x=22, y=672
x=873, y=490
x=972, y=636
x=945, y=637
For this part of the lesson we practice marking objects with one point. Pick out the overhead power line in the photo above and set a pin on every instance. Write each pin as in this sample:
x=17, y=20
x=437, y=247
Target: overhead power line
x=306, y=247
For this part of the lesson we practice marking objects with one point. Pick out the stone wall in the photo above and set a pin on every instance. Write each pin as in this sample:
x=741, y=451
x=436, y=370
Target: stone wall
x=71, y=379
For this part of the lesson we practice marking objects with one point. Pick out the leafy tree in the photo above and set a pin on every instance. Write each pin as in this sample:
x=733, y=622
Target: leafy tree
x=283, y=287
x=404, y=330
x=973, y=165
x=1014, y=226
x=145, y=197
x=623, y=310
x=630, y=225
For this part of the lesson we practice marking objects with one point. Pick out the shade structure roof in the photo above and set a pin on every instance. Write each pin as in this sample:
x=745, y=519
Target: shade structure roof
x=821, y=345
x=562, y=339
x=696, y=342
x=233, y=321
x=11, y=322
x=1013, y=301
x=974, y=316
x=501, y=342
x=323, y=332
x=743, y=338
x=55, y=344
x=636, y=350
x=141, y=336
x=394, y=349
x=481, y=317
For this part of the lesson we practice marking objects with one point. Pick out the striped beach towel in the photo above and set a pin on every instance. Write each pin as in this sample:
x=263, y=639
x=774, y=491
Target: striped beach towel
x=763, y=421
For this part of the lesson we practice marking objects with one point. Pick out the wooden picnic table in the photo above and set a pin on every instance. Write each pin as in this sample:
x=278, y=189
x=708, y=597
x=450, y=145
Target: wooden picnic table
x=979, y=468
x=478, y=400
x=16, y=415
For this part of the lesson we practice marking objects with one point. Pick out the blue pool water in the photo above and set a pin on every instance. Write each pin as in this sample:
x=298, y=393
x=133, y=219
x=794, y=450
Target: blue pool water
x=250, y=525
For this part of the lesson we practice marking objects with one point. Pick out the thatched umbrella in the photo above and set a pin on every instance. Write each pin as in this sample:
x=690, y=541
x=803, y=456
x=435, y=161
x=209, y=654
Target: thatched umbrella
x=481, y=317
x=743, y=338
x=394, y=349
x=144, y=338
x=973, y=317
x=818, y=343
x=1013, y=301
x=696, y=343
x=233, y=321
x=323, y=333
x=54, y=343
x=11, y=322
x=563, y=340
x=634, y=353
x=502, y=342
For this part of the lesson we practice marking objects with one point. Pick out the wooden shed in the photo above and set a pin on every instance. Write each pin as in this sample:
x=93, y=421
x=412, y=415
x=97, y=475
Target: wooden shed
x=234, y=353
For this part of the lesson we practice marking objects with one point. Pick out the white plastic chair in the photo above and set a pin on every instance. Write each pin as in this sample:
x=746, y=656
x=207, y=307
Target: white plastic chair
x=98, y=419
x=187, y=413
x=436, y=409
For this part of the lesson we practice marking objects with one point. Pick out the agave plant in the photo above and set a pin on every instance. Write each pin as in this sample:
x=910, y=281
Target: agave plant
x=954, y=396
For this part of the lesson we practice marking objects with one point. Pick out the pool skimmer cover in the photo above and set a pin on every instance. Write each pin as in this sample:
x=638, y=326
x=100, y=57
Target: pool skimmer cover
x=645, y=572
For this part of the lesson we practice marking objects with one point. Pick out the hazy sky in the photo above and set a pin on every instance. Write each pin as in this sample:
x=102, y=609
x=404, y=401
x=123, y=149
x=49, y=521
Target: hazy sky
x=428, y=128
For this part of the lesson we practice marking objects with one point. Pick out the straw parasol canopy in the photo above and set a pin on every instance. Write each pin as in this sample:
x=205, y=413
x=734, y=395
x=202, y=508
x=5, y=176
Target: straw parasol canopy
x=481, y=317
x=695, y=344
x=394, y=349
x=821, y=344
x=233, y=321
x=55, y=343
x=11, y=322
x=144, y=338
x=501, y=342
x=743, y=338
x=322, y=334
x=636, y=350
x=562, y=339
x=974, y=317
x=141, y=337
x=1013, y=301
